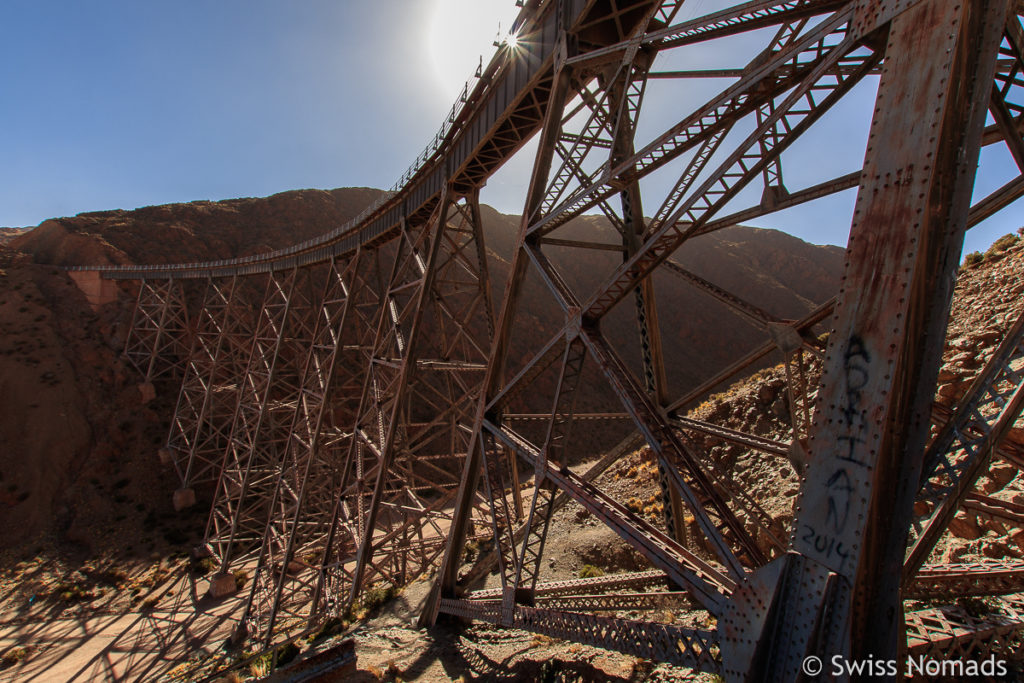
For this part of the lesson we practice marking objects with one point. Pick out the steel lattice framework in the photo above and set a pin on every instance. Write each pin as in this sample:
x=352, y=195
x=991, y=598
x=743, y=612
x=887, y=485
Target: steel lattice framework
x=353, y=412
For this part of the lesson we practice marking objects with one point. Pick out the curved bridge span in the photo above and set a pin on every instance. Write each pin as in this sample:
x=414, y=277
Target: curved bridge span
x=484, y=129
x=357, y=411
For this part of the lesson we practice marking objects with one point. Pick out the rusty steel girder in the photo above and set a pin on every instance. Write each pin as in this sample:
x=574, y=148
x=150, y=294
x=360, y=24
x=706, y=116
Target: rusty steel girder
x=378, y=412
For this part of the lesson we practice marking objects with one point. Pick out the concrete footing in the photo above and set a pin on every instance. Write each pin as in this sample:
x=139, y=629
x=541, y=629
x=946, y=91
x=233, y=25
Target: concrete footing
x=98, y=292
x=148, y=392
x=166, y=456
x=222, y=585
x=184, y=498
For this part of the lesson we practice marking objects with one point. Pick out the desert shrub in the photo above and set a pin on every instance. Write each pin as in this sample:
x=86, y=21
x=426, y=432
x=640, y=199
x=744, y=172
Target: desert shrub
x=654, y=511
x=262, y=665
x=204, y=566
x=331, y=627
x=1002, y=244
x=156, y=576
x=13, y=656
x=973, y=258
x=377, y=595
x=74, y=592
x=241, y=578
x=589, y=571
x=287, y=653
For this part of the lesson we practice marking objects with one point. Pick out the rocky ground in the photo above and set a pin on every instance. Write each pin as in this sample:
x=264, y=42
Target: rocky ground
x=988, y=300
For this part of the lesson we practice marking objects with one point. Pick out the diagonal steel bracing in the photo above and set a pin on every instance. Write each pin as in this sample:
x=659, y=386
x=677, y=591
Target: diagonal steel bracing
x=158, y=337
x=301, y=503
x=201, y=424
x=255, y=445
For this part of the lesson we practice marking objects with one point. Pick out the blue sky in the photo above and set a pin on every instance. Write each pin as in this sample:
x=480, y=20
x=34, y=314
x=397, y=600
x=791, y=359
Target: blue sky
x=118, y=104
x=125, y=103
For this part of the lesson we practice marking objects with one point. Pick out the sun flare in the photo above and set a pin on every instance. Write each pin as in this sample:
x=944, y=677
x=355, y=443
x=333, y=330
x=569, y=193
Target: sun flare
x=460, y=32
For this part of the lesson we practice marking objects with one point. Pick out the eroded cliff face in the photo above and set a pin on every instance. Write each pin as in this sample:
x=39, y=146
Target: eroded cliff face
x=75, y=436
x=78, y=439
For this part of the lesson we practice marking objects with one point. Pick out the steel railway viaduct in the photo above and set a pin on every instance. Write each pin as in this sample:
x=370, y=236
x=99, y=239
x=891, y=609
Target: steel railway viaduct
x=350, y=409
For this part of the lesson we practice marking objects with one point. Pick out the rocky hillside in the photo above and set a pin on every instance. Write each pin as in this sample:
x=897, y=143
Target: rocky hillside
x=8, y=234
x=987, y=302
x=770, y=269
x=79, y=481
x=197, y=231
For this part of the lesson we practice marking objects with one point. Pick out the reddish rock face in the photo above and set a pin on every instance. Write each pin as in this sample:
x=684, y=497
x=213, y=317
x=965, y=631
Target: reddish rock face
x=965, y=528
x=98, y=291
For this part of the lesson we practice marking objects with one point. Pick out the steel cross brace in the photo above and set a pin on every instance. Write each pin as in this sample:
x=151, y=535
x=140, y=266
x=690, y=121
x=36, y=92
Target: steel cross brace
x=945, y=479
x=691, y=648
x=251, y=453
x=705, y=582
x=952, y=633
x=292, y=522
x=951, y=581
x=159, y=339
x=201, y=424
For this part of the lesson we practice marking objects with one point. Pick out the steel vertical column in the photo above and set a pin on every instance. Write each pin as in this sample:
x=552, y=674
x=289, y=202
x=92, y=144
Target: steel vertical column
x=445, y=586
x=382, y=402
x=839, y=594
x=201, y=422
x=243, y=477
x=292, y=523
